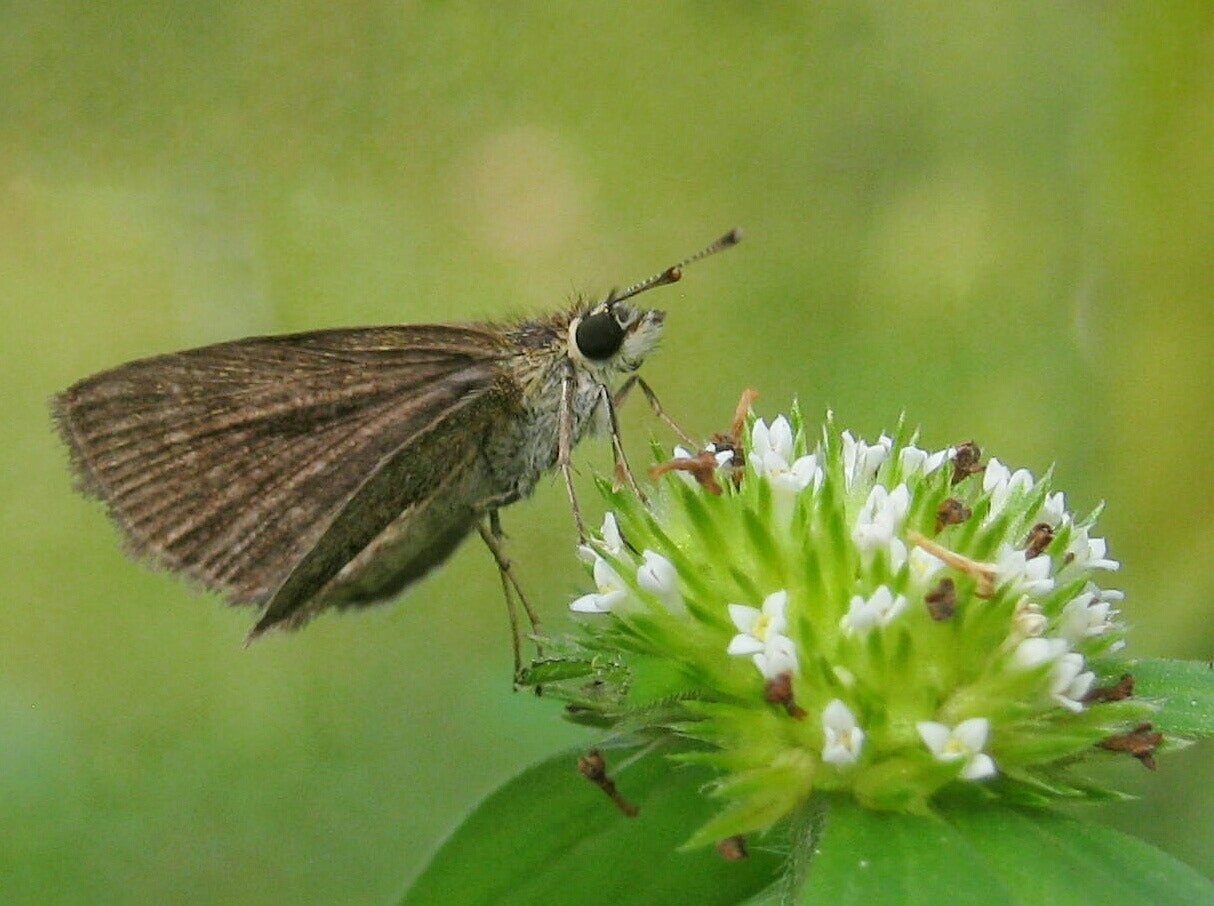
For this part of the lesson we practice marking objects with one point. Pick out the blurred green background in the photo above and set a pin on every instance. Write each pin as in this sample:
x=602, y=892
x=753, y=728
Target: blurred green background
x=994, y=216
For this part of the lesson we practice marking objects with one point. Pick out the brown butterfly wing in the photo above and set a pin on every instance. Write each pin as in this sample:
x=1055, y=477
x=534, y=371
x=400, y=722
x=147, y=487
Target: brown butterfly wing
x=228, y=463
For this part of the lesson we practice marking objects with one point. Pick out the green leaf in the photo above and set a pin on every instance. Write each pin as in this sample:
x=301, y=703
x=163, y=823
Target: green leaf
x=1186, y=688
x=774, y=895
x=1047, y=857
x=997, y=856
x=550, y=836
x=868, y=857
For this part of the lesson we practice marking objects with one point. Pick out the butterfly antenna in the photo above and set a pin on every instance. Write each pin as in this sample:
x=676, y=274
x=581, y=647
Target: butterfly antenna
x=674, y=273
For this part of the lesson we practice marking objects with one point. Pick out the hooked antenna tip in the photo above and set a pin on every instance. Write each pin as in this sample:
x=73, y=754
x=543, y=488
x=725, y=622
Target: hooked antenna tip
x=674, y=273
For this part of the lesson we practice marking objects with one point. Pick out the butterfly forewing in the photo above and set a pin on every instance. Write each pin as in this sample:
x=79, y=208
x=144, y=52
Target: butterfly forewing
x=230, y=462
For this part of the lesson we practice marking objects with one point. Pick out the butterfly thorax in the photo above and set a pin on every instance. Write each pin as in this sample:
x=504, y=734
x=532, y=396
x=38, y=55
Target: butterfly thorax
x=524, y=447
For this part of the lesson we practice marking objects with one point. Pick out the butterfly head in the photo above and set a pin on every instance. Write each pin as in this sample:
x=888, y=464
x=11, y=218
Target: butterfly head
x=614, y=336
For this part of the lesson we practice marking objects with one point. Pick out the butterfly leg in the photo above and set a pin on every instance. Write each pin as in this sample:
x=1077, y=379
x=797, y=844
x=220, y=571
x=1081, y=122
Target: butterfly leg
x=617, y=447
x=652, y=398
x=564, y=451
x=491, y=531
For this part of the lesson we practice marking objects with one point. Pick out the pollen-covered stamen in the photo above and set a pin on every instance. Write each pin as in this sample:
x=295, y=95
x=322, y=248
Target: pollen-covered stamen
x=967, y=461
x=778, y=691
x=951, y=512
x=1039, y=538
x=941, y=600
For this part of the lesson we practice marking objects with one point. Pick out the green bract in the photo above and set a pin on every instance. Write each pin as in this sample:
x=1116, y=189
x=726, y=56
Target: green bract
x=817, y=613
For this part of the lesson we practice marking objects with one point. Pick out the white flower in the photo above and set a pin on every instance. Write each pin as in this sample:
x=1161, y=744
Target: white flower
x=923, y=565
x=771, y=454
x=801, y=474
x=779, y=655
x=762, y=635
x=880, y=518
x=915, y=460
x=1053, y=509
x=962, y=742
x=861, y=460
x=776, y=440
x=843, y=739
x=658, y=575
x=1001, y=483
x=878, y=610
x=1084, y=553
x=610, y=541
x=1028, y=620
x=755, y=625
x=1035, y=651
x=1084, y=616
x=1069, y=682
x=1026, y=575
x=611, y=590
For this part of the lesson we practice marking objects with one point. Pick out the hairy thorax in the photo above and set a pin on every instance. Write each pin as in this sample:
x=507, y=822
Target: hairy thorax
x=528, y=446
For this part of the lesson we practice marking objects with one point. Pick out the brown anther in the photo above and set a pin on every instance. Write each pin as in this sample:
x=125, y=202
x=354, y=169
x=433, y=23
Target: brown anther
x=702, y=467
x=733, y=849
x=967, y=461
x=619, y=476
x=731, y=440
x=1039, y=538
x=1141, y=742
x=951, y=512
x=740, y=413
x=942, y=599
x=983, y=573
x=593, y=767
x=778, y=691
x=1119, y=690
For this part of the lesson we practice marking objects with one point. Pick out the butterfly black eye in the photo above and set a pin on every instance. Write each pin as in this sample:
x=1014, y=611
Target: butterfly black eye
x=599, y=336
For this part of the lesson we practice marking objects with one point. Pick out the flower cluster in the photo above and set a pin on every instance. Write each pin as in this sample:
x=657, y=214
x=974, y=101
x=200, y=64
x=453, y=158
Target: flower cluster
x=873, y=619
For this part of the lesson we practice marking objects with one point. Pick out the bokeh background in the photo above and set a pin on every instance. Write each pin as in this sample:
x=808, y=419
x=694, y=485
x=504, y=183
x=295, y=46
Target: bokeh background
x=996, y=217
